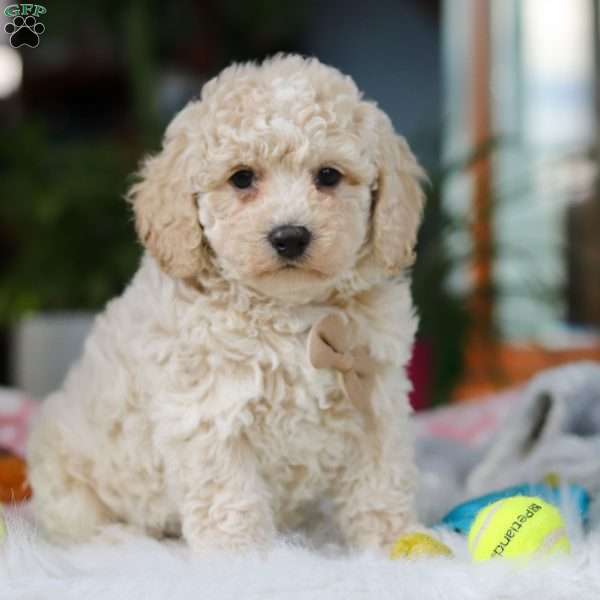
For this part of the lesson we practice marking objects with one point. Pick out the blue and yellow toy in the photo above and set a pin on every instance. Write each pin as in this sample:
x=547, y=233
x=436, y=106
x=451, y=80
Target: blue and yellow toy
x=461, y=518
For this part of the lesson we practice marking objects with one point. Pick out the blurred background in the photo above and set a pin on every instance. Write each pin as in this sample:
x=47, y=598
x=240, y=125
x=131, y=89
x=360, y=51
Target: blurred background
x=499, y=99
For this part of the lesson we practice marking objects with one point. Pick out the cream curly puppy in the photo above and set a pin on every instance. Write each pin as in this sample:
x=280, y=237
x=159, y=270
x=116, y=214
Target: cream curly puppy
x=279, y=197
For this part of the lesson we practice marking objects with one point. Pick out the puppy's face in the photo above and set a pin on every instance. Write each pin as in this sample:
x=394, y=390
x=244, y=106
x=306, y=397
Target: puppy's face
x=289, y=215
x=287, y=176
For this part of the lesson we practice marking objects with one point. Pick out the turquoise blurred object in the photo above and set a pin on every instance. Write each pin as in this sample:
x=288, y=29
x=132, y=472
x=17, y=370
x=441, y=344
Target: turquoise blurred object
x=461, y=517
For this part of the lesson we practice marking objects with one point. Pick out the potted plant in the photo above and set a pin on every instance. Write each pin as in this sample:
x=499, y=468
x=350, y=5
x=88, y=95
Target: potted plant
x=69, y=244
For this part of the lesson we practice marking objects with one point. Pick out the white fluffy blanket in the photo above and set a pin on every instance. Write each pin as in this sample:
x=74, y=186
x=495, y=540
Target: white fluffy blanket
x=450, y=442
x=148, y=570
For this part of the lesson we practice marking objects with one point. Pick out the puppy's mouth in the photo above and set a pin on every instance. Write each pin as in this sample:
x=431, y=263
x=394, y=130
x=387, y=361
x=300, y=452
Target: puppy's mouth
x=292, y=268
x=301, y=267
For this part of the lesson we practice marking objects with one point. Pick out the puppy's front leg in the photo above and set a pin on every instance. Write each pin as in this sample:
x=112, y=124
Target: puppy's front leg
x=224, y=503
x=374, y=497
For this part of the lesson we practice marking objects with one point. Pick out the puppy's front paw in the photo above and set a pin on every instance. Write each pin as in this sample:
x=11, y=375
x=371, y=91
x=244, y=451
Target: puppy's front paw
x=212, y=542
x=237, y=533
x=375, y=529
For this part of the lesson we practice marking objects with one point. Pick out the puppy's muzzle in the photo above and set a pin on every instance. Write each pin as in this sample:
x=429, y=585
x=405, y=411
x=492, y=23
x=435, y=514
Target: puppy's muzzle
x=290, y=241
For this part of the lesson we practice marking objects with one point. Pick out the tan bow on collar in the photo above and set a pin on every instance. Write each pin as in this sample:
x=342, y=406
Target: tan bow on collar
x=329, y=348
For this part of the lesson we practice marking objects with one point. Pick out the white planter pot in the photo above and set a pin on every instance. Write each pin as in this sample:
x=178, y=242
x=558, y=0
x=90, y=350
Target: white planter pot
x=43, y=348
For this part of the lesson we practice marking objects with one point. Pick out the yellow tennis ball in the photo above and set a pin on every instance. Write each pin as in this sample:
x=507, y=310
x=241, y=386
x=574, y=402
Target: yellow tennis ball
x=517, y=528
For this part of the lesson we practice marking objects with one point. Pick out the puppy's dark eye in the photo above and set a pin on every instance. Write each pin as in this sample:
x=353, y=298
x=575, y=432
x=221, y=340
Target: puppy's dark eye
x=242, y=179
x=328, y=177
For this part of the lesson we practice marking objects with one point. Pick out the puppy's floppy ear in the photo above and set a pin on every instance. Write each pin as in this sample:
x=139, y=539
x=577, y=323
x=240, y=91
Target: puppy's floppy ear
x=166, y=218
x=398, y=199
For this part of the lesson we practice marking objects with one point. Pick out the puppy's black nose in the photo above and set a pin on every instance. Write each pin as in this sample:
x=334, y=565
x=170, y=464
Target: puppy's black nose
x=290, y=241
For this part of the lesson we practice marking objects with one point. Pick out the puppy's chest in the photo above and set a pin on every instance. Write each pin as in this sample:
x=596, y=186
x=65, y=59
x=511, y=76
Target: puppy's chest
x=302, y=434
x=302, y=418
x=266, y=386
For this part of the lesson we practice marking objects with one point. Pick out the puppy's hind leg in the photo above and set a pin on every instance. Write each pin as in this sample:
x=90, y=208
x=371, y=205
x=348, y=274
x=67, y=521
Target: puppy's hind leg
x=67, y=510
x=65, y=506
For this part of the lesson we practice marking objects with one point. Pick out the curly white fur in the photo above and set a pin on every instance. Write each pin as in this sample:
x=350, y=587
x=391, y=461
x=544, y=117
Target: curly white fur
x=194, y=410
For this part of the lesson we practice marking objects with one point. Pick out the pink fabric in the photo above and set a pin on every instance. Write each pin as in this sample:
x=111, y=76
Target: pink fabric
x=469, y=424
x=16, y=410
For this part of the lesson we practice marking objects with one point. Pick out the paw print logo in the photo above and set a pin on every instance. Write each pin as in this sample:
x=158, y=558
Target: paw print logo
x=24, y=31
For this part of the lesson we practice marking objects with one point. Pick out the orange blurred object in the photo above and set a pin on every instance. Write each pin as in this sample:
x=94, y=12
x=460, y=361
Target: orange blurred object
x=504, y=366
x=13, y=479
